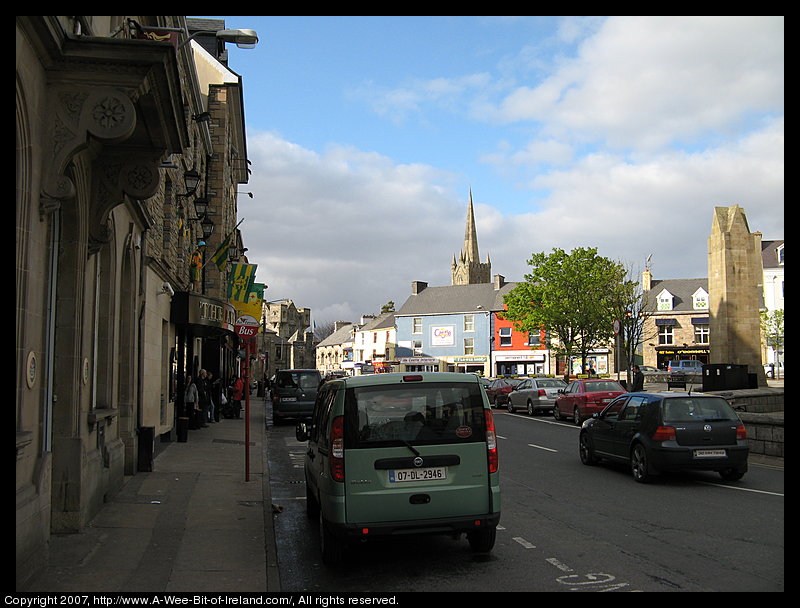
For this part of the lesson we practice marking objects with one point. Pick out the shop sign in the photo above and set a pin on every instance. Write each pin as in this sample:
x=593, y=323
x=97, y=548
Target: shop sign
x=246, y=326
x=443, y=335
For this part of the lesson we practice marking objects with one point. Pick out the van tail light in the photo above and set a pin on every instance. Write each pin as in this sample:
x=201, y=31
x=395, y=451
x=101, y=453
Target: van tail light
x=664, y=433
x=741, y=432
x=491, y=442
x=337, y=449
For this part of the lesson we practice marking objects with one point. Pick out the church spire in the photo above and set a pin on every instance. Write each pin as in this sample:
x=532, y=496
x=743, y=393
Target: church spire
x=470, y=250
x=467, y=268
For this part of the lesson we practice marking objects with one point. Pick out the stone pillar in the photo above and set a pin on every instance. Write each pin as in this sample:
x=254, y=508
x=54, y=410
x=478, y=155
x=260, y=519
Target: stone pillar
x=734, y=284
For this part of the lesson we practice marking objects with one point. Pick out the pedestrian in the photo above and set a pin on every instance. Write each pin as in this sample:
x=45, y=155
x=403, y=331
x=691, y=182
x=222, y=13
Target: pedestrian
x=203, y=399
x=190, y=402
x=238, y=393
x=210, y=386
x=638, y=380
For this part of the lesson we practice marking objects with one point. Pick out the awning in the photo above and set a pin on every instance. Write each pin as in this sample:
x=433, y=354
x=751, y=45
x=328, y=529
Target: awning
x=666, y=321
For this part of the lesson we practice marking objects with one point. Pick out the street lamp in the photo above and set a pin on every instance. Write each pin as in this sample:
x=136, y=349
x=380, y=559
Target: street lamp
x=244, y=39
x=208, y=226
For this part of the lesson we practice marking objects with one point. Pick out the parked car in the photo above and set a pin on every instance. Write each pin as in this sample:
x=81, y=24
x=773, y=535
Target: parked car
x=582, y=398
x=397, y=454
x=499, y=389
x=294, y=392
x=648, y=370
x=535, y=395
x=686, y=366
x=655, y=432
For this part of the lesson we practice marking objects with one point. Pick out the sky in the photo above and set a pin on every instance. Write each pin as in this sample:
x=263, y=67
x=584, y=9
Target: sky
x=366, y=136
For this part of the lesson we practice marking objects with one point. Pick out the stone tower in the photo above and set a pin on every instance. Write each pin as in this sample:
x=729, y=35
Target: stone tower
x=735, y=275
x=467, y=268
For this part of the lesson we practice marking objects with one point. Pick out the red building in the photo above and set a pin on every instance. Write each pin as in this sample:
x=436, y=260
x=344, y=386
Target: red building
x=518, y=353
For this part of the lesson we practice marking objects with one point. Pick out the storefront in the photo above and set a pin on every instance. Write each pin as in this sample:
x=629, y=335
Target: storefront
x=419, y=364
x=520, y=364
x=205, y=338
x=665, y=354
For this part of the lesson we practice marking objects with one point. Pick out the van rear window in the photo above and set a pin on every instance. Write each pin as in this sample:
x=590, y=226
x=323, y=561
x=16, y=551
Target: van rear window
x=419, y=414
x=306, y=380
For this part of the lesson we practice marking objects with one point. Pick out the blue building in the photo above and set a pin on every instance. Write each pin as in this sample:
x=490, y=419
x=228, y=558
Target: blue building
x=449, y=328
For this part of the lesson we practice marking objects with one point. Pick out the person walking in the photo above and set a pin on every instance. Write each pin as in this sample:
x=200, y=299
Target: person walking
x=236, y=395
x=638, y=380
x=202, y=401
x=190, y=402
x=210, y=386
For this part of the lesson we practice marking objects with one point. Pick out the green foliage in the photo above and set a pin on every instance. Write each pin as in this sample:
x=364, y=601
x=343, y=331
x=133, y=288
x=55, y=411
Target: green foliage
x=575, y=296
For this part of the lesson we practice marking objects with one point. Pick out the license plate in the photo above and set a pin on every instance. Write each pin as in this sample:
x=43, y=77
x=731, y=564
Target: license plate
x=288, y=398
x=709, y=453
x=426, y=474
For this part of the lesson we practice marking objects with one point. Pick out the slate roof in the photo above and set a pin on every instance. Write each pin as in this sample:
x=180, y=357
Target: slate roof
x=681, y=289
x=769, y=253
x=454, y=299
x=384, y=321
x=340, y=336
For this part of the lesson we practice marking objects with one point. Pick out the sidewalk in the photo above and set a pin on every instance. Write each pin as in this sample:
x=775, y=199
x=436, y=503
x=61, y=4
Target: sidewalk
x=194, y=524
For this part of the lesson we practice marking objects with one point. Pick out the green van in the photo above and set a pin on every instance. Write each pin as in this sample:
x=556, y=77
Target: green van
x=396, y=454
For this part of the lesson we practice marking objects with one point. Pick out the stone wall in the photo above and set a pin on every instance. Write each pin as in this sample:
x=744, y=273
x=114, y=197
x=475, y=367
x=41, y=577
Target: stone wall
x=761, y=410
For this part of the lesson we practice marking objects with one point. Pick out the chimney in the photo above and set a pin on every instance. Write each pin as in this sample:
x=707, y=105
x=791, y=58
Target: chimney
x=337, y=325
x=647, y=279
x=418, y=287
x=499, y=281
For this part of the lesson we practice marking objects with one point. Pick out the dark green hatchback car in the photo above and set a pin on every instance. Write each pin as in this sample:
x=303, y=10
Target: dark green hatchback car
x=398, y=454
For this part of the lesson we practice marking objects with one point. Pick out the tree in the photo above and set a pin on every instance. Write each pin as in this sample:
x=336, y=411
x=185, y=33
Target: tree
x=571, y=295
x=632, y=309
x=772, y=330
x=388, y=307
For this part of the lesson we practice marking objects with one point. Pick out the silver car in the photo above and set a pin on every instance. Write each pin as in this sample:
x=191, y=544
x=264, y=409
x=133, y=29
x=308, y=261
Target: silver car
x=535, y=395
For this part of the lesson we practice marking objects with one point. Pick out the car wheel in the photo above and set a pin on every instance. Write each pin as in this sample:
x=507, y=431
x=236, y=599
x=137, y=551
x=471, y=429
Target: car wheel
x=510, y=407
x=639, y=465
x=482, y=541
x=576, y=416
x=332, y=548
x=557, y=413
x=731, y=474
x=530, y=409
x=585, y=449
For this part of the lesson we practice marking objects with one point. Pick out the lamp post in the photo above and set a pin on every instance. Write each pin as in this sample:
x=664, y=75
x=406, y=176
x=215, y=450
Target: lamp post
x=244, y=39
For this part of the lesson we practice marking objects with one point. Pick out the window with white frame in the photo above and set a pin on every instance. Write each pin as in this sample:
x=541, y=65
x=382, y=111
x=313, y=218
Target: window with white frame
x=469, y=346
x=665, y=334
x=701, y=334
x=505, y=336
x=416, y=346
x=416, y=325
x=700, y=299
x=469, y=322
x=664, y=300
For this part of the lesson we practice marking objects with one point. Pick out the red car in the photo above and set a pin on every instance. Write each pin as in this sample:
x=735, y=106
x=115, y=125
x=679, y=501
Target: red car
x=499, y=389
x=582, y=398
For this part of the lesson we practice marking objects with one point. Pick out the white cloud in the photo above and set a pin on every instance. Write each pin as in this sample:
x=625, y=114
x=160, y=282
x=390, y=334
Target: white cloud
x=645, y=82
x=344, y=230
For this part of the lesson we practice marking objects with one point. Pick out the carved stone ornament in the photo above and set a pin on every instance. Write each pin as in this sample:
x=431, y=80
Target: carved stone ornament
x=76, y=113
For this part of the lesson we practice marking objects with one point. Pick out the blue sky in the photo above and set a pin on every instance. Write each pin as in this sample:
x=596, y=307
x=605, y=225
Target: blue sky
x=366, y=135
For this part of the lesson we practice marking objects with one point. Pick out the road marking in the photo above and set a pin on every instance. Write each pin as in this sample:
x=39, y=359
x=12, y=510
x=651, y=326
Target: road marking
x=722, y=485
x=561, y=566
x=540, y=447
x=524, y=542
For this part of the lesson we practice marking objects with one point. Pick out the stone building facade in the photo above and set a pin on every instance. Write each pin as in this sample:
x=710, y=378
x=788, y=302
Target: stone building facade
x=107, y=315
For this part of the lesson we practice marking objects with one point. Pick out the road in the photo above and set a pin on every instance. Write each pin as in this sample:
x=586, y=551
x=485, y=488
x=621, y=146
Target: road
x=565, y=527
